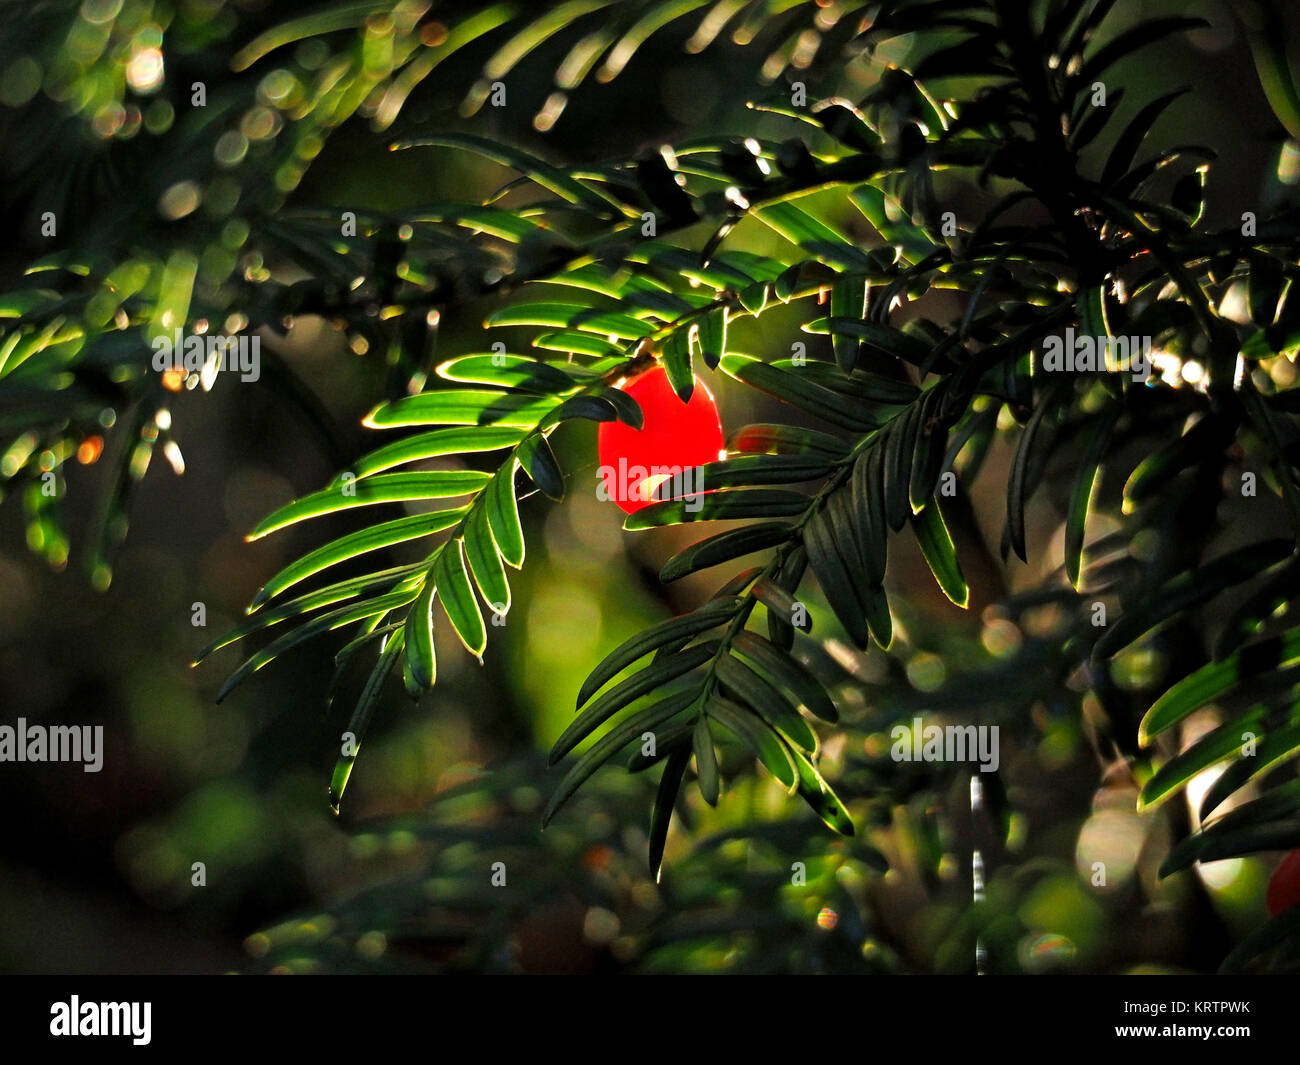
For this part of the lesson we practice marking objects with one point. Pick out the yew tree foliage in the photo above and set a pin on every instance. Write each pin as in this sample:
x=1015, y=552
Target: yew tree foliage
x=631, y=262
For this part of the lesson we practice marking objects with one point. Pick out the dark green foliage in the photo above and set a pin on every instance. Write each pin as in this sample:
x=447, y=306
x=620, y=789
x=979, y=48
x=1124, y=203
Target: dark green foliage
x=887, y=407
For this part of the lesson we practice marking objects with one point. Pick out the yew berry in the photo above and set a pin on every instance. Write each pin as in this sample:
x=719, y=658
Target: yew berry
x=674, y=437
x=1284, y=885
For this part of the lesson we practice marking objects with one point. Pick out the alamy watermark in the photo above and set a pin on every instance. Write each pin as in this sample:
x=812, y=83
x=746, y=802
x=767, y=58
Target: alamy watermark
x=946, y=743
x=633, y=484
x=1084, y=353
x=102, y=1018
x=55, y=743
x=210, y=354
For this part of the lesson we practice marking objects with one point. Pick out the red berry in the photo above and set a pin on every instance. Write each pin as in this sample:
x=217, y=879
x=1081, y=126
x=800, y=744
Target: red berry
x=1284, y=885
x=676, y=436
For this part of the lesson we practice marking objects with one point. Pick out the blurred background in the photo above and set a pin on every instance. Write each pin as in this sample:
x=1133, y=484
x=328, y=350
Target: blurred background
x=95, y=870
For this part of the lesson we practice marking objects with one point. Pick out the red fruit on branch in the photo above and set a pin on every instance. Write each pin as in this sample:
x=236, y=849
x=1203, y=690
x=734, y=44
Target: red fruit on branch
x=1284, y=885
x=674, y=437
